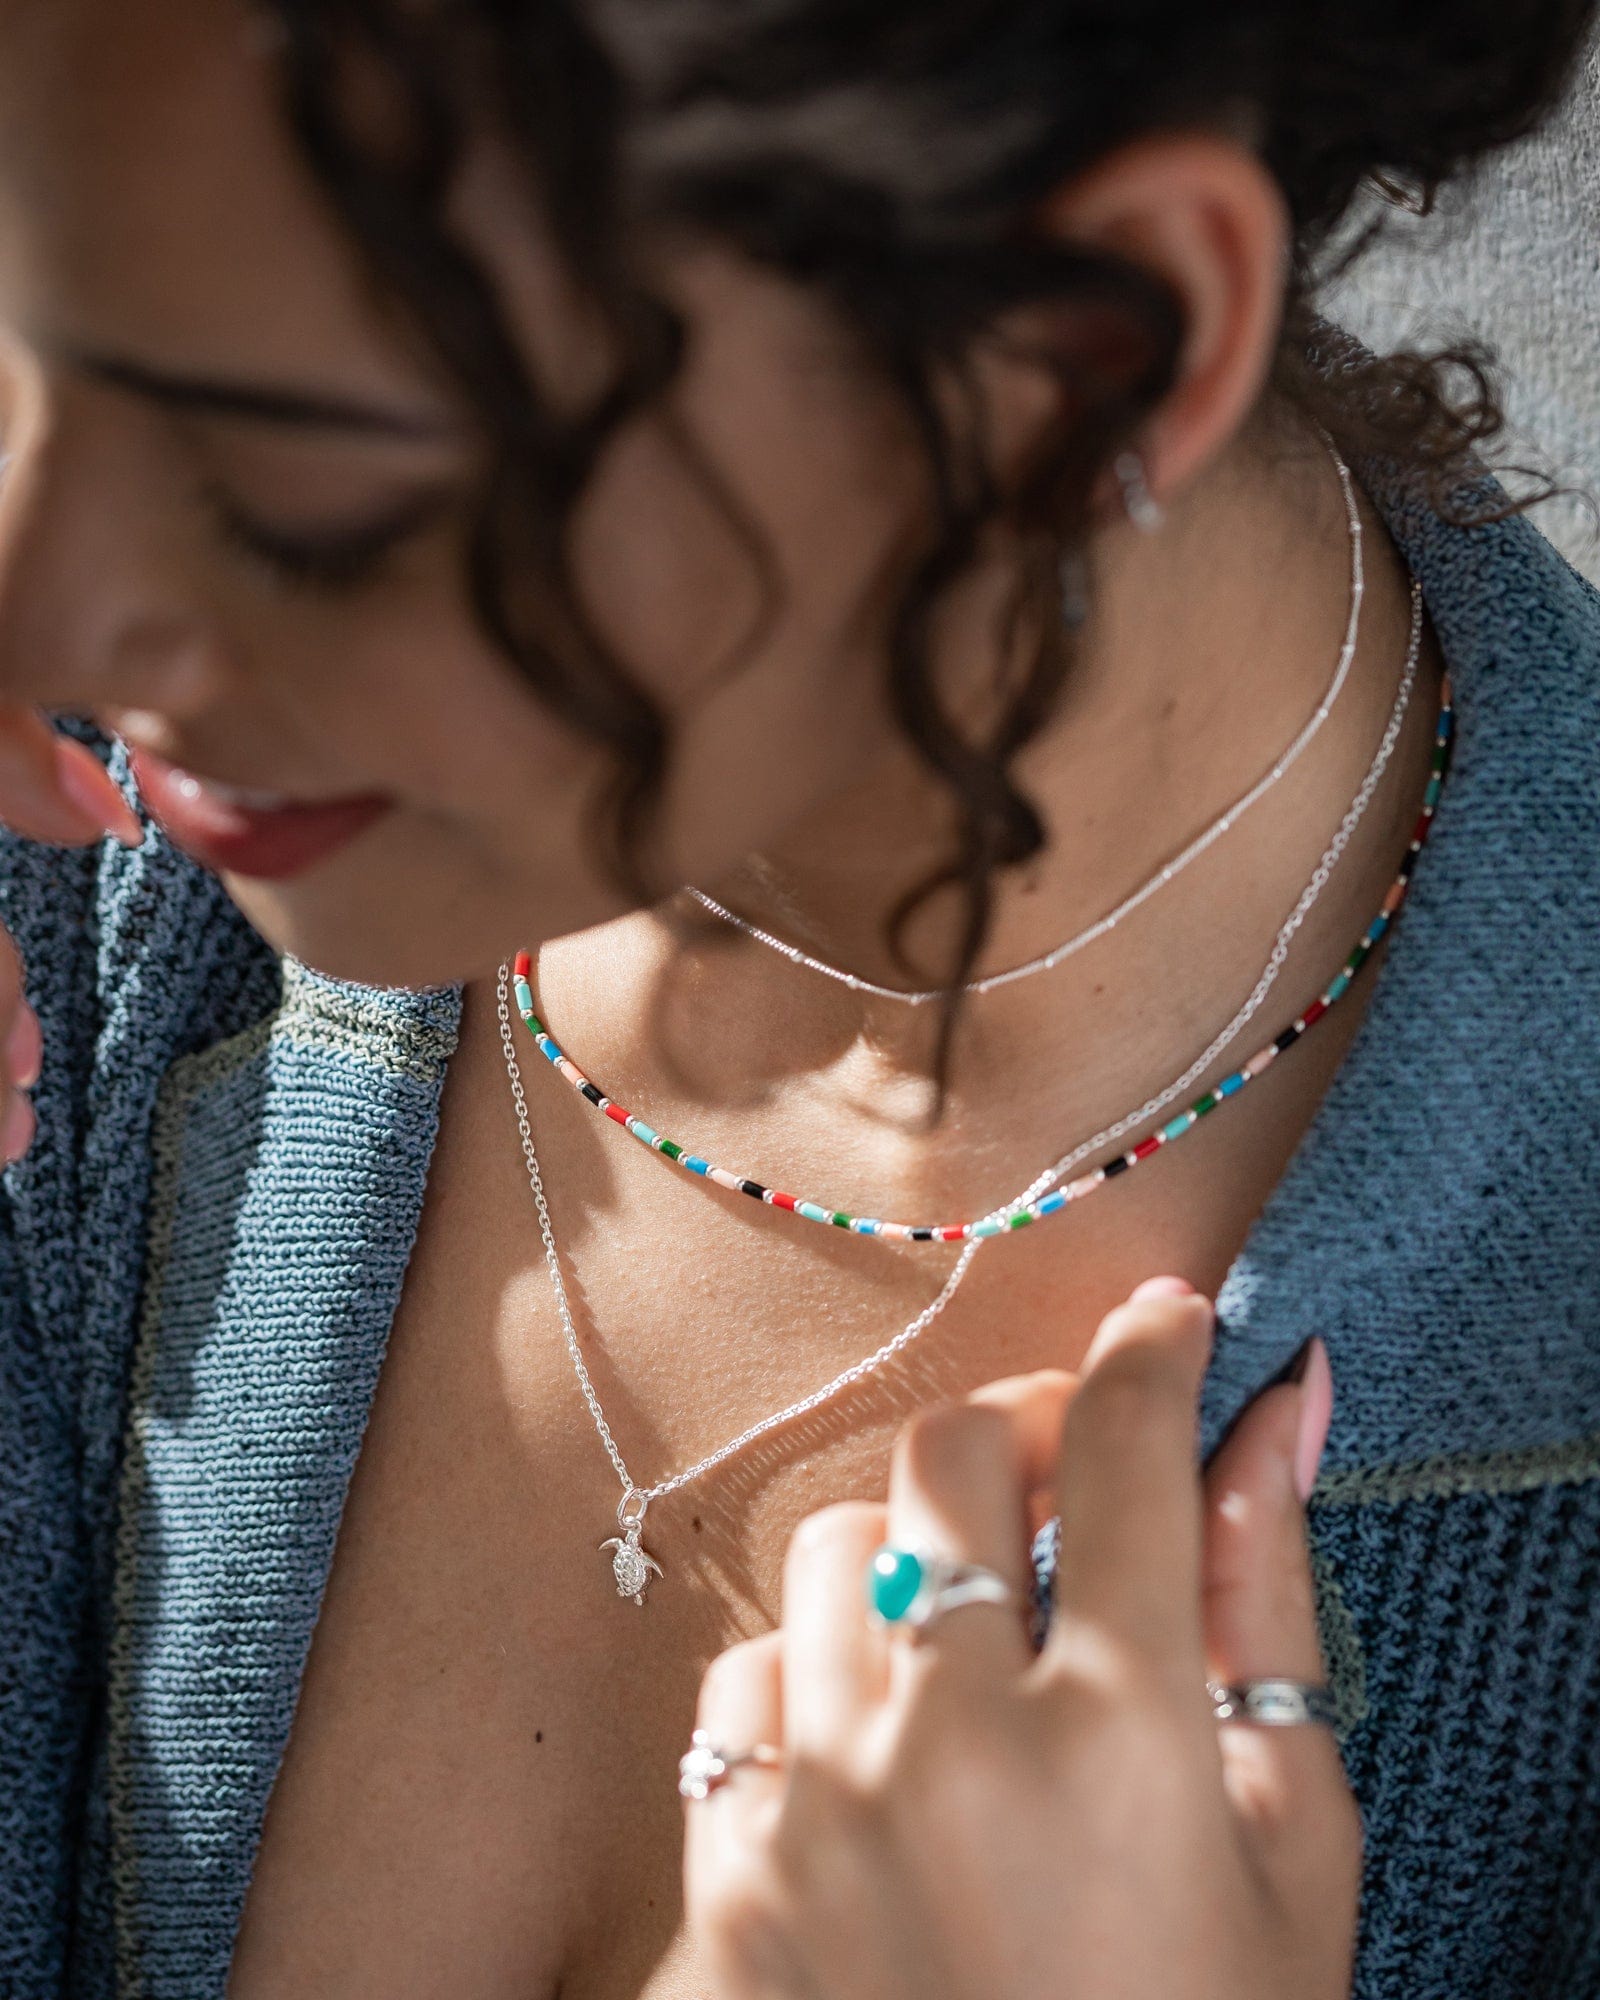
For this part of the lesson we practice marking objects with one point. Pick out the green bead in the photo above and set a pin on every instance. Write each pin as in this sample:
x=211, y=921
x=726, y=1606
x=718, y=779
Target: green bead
x=1022, y=1218
x=839, y=1219
x=893, y=1581
x=672, y=1152
x=1207, y=1103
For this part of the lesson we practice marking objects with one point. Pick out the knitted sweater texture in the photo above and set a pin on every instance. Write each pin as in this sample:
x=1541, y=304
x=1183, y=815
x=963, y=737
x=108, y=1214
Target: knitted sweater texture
x=201, y=1256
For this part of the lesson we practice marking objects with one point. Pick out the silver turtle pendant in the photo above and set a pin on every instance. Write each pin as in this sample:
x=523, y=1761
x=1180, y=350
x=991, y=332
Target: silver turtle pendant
x=631, y=1565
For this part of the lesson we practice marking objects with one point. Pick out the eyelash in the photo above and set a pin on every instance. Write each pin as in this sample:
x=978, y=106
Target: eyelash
x=332, y=564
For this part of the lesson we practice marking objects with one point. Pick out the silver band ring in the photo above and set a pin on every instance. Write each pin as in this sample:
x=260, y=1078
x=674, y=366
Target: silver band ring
x=704, y=1768
x=1273, y=1704
x=912, y=1588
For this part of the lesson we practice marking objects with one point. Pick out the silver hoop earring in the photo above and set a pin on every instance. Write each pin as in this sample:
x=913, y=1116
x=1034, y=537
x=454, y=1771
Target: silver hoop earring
x=1141, y=506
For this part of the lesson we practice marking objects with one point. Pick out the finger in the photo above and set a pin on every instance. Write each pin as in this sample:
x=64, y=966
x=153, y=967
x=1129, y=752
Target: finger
x=1259, y=1605
x=1129, y=1487
x=835, y=1660
x=54, y=788
x=741, y=1703
x=1037, y=1405
x=21, y=1053
x=957, y=1488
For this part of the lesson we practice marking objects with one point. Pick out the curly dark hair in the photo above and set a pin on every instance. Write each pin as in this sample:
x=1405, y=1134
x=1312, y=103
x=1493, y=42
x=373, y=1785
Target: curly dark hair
x=891, y=156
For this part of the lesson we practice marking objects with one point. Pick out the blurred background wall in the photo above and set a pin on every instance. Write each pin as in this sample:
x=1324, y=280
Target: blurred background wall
x=1515, y=258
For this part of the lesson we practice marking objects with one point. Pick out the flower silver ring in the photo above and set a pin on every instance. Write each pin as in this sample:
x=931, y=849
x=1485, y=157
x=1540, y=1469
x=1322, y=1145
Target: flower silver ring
x=908, y=1589
x=705, y=1768
x=1273, y=1704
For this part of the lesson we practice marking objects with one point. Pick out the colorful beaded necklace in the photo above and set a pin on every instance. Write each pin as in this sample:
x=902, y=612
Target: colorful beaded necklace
x=1025, y=1210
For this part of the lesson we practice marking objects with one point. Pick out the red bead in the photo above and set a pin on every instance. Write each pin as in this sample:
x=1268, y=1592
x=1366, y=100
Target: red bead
x=522, y=965
x=781, y=1200
x=1314, y=1012
x=1145, y=1148
x=616, y=1111
x=953, y=1234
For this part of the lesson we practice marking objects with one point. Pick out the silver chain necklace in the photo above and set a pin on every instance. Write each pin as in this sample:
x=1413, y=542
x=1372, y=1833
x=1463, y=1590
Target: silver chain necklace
x=633, y=1567
x=1058, y=954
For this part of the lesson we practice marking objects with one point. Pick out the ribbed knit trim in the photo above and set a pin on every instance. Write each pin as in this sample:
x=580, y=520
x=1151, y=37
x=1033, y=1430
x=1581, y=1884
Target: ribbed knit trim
x=182, y=1080
x=1559, y=1464
x=289, y=1169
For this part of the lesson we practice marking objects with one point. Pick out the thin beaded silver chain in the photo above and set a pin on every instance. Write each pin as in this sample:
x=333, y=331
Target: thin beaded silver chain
x=636, y=1499
x=1058, y=954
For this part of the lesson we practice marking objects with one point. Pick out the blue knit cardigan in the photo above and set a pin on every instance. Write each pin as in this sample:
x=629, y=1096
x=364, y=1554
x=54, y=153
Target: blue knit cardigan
x=201, y=1256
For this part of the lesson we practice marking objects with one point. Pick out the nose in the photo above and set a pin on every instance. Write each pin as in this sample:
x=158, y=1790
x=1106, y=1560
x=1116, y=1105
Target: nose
x=94, y=609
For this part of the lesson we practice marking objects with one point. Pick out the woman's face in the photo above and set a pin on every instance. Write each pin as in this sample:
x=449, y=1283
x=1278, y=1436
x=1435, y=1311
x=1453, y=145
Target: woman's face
x=232, y=523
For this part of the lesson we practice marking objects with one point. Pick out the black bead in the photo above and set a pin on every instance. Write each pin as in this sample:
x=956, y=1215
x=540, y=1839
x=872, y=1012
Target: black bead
x=588, y=1090
x=1119, y=1165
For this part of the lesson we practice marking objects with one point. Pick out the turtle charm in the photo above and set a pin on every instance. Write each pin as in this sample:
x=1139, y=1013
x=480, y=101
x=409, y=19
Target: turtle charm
x=632, y=1566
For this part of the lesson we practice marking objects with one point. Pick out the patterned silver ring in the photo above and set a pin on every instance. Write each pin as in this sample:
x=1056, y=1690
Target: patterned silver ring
x=704, y=1768
x=1273, y=1704
x=910, y=1589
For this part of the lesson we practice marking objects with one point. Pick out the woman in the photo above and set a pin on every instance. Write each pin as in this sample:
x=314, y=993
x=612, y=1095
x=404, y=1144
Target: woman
x=478, y=473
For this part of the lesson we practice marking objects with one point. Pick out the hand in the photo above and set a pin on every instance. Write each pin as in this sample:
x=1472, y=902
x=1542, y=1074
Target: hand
x=960, y=1819
x=51, y=788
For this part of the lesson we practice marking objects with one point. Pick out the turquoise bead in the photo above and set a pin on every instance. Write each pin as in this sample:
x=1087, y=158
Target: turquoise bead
x=893, y=1581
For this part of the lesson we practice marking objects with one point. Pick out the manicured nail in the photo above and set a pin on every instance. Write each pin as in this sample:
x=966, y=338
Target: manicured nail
x=24, y=1048
x=16, y=1129
x=1162, y=1288
x=1316, y=1413
x=96, y=794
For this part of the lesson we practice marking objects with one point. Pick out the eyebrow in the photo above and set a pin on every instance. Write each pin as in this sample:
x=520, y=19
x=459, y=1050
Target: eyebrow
x=258, y=402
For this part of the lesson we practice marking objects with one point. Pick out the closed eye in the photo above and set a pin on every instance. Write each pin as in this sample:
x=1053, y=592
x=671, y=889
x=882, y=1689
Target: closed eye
x=329, y=560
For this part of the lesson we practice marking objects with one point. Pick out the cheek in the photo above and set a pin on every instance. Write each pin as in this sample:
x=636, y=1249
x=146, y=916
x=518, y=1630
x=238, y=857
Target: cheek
x=743, y=583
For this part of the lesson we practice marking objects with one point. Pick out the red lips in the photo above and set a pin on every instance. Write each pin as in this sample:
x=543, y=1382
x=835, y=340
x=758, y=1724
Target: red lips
x=272, y=842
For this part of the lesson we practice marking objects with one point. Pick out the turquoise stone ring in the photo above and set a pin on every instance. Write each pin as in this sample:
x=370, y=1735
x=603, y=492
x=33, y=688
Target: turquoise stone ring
x=913, y=1587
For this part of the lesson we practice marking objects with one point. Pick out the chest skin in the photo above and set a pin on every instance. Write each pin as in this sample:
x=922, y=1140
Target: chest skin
x=478, y=1796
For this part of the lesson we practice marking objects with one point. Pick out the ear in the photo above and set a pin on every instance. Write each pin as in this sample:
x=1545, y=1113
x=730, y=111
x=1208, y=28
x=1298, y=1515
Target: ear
x=1198, y=212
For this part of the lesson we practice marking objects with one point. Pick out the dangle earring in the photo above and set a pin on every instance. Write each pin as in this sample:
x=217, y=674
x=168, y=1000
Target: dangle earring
x=1142, y=508
x=1073, y=572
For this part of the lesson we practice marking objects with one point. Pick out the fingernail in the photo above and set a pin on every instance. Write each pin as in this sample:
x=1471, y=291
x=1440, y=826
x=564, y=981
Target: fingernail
x=1316, y=1413
x=16, y=1129
x=24, y=1048
x=1162, y=1288
x=93, y=790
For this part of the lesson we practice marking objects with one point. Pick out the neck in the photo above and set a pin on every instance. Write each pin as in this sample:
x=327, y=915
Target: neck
x=1210, y=645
